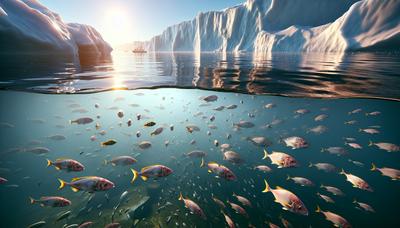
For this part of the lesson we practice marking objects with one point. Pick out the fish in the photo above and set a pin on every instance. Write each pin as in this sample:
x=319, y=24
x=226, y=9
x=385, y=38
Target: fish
x=86, y=224
x=219, y=108
x=302, y=111
x=353, y=145
x=37, y=224
x=83, y=120
x=357, y=181
x=301, y=181
x=149, y=124
x=320, y=129
x=389, y=172
x=51, y=201
x=88, y=183
x=326, y=198
x=63, y=215
x=374, y=113
x=38, y=150
x=221, y=171
x=196, y=154
x=6, y=125
x=144, y=145
x=225, y=146
x=228, y=220
x=336, y=219
x=259, y=141
x=191, y=128
x=219, y=202
x=371, y=131
x=244, y=124
x=157, y=131
x=67, y=164
x=263, y=168
x=287, y=199
x=355, y=111
x=243, y=200
x=295, y=142
x=238, y=209
x=3, y=180
x=210, y=98
x=121, y=160
x=389, y=147
x=56, y=137
x=109, y=142
x=321, y=117
x=363, y=206
x=120, y=114
x=232, y=157
x=153, y=171
x=336, y=150
x=193, y=207
x=350, y=122
x=269, y=105
x=335, y=191
x=327, y=167
x=232, y=106
x=282, y=160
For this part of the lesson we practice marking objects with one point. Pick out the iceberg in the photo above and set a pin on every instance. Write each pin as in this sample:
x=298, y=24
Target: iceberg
x=264, y=26
x=28, y=27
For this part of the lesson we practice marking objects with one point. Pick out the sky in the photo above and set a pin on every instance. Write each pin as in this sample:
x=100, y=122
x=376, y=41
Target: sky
x=125, y=21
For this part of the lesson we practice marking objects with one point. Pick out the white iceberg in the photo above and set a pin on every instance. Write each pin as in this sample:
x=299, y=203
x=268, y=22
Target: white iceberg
x=264, y=26
x=26, y=26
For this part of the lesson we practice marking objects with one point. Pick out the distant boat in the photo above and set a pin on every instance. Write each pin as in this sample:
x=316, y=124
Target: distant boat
x=139, y=50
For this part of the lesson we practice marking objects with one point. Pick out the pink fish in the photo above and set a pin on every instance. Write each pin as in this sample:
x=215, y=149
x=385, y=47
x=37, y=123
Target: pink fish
x=89, y=183
x=389, y=172
x=287, y=199
x=228, y=220
x=282, y=160
x=66, y=164
x=121, y=160
x=357, y=181
x=85, y=224
x=221, y=171
x=3, y=180
x=193, y=207
x=336, y=219
x=238, y=209
x=154, y=171
x=51, y=201
x=243, y=200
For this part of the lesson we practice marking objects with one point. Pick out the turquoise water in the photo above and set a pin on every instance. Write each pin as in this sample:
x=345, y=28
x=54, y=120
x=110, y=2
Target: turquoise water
x=30, y=119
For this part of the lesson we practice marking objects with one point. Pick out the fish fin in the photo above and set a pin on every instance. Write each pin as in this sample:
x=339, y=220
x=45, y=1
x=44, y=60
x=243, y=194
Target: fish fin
x=180, y=196
x=285, y=208
x=370, y=143
x=31, y=200
x=79, y=178
x=310, y=164
x=42, y=205
x=202, y=162
x=288, y=177
x=75, y=189
x=113, y=164
x=234, y=194
x=144, y=178
x=105, y=162
x=355, y=201
x=322, y=186
x=373, y=168
x=49, y=163
x=343, y=172
x=212, y=163
x=265, y=154
x=322, y=149
x=135, y=175
x=62, y=184
x=280, y=167
x=267, y=188
x=318, y=209
x=209, y=171
x=279, y=187
x=72, y=121
x=57, y=168
x=147, y=167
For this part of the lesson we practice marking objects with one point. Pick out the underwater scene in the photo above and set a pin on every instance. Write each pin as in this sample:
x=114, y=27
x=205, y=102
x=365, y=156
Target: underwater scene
x=174, y=157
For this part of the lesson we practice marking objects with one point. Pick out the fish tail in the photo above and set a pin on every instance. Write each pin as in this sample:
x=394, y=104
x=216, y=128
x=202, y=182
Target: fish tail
x=49, y=163
x=105, y=162
x=310, y=164
x=32, y=200
x=359, y=130
x=234, y=194
x=373, y=168
x=288, y=177
x=267, y=188
x=62, y=184
x=202, y=162
x=180, y=196
x=72, y=121
x=135, y=175
x=354, y=201
x=318, y=209
x=322, y=149
x=370, y=143
x=265, y=154
x=342, y=172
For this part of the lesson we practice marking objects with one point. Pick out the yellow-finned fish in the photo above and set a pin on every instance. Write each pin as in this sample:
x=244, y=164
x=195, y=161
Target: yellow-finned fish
x=108, y=142
x=153, y=171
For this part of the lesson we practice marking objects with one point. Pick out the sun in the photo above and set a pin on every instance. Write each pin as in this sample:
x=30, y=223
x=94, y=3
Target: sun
x=117, y=26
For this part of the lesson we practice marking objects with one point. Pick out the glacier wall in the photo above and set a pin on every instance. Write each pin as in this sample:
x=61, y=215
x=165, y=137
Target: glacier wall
x=26, y=26
x=287, y=26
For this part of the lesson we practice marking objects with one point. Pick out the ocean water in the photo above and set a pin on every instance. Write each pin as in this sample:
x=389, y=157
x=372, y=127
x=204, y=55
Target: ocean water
x=37, y=109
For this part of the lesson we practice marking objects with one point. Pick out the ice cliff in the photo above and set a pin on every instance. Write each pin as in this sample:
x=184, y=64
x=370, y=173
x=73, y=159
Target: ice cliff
x=26, y=26
x=288, y=25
